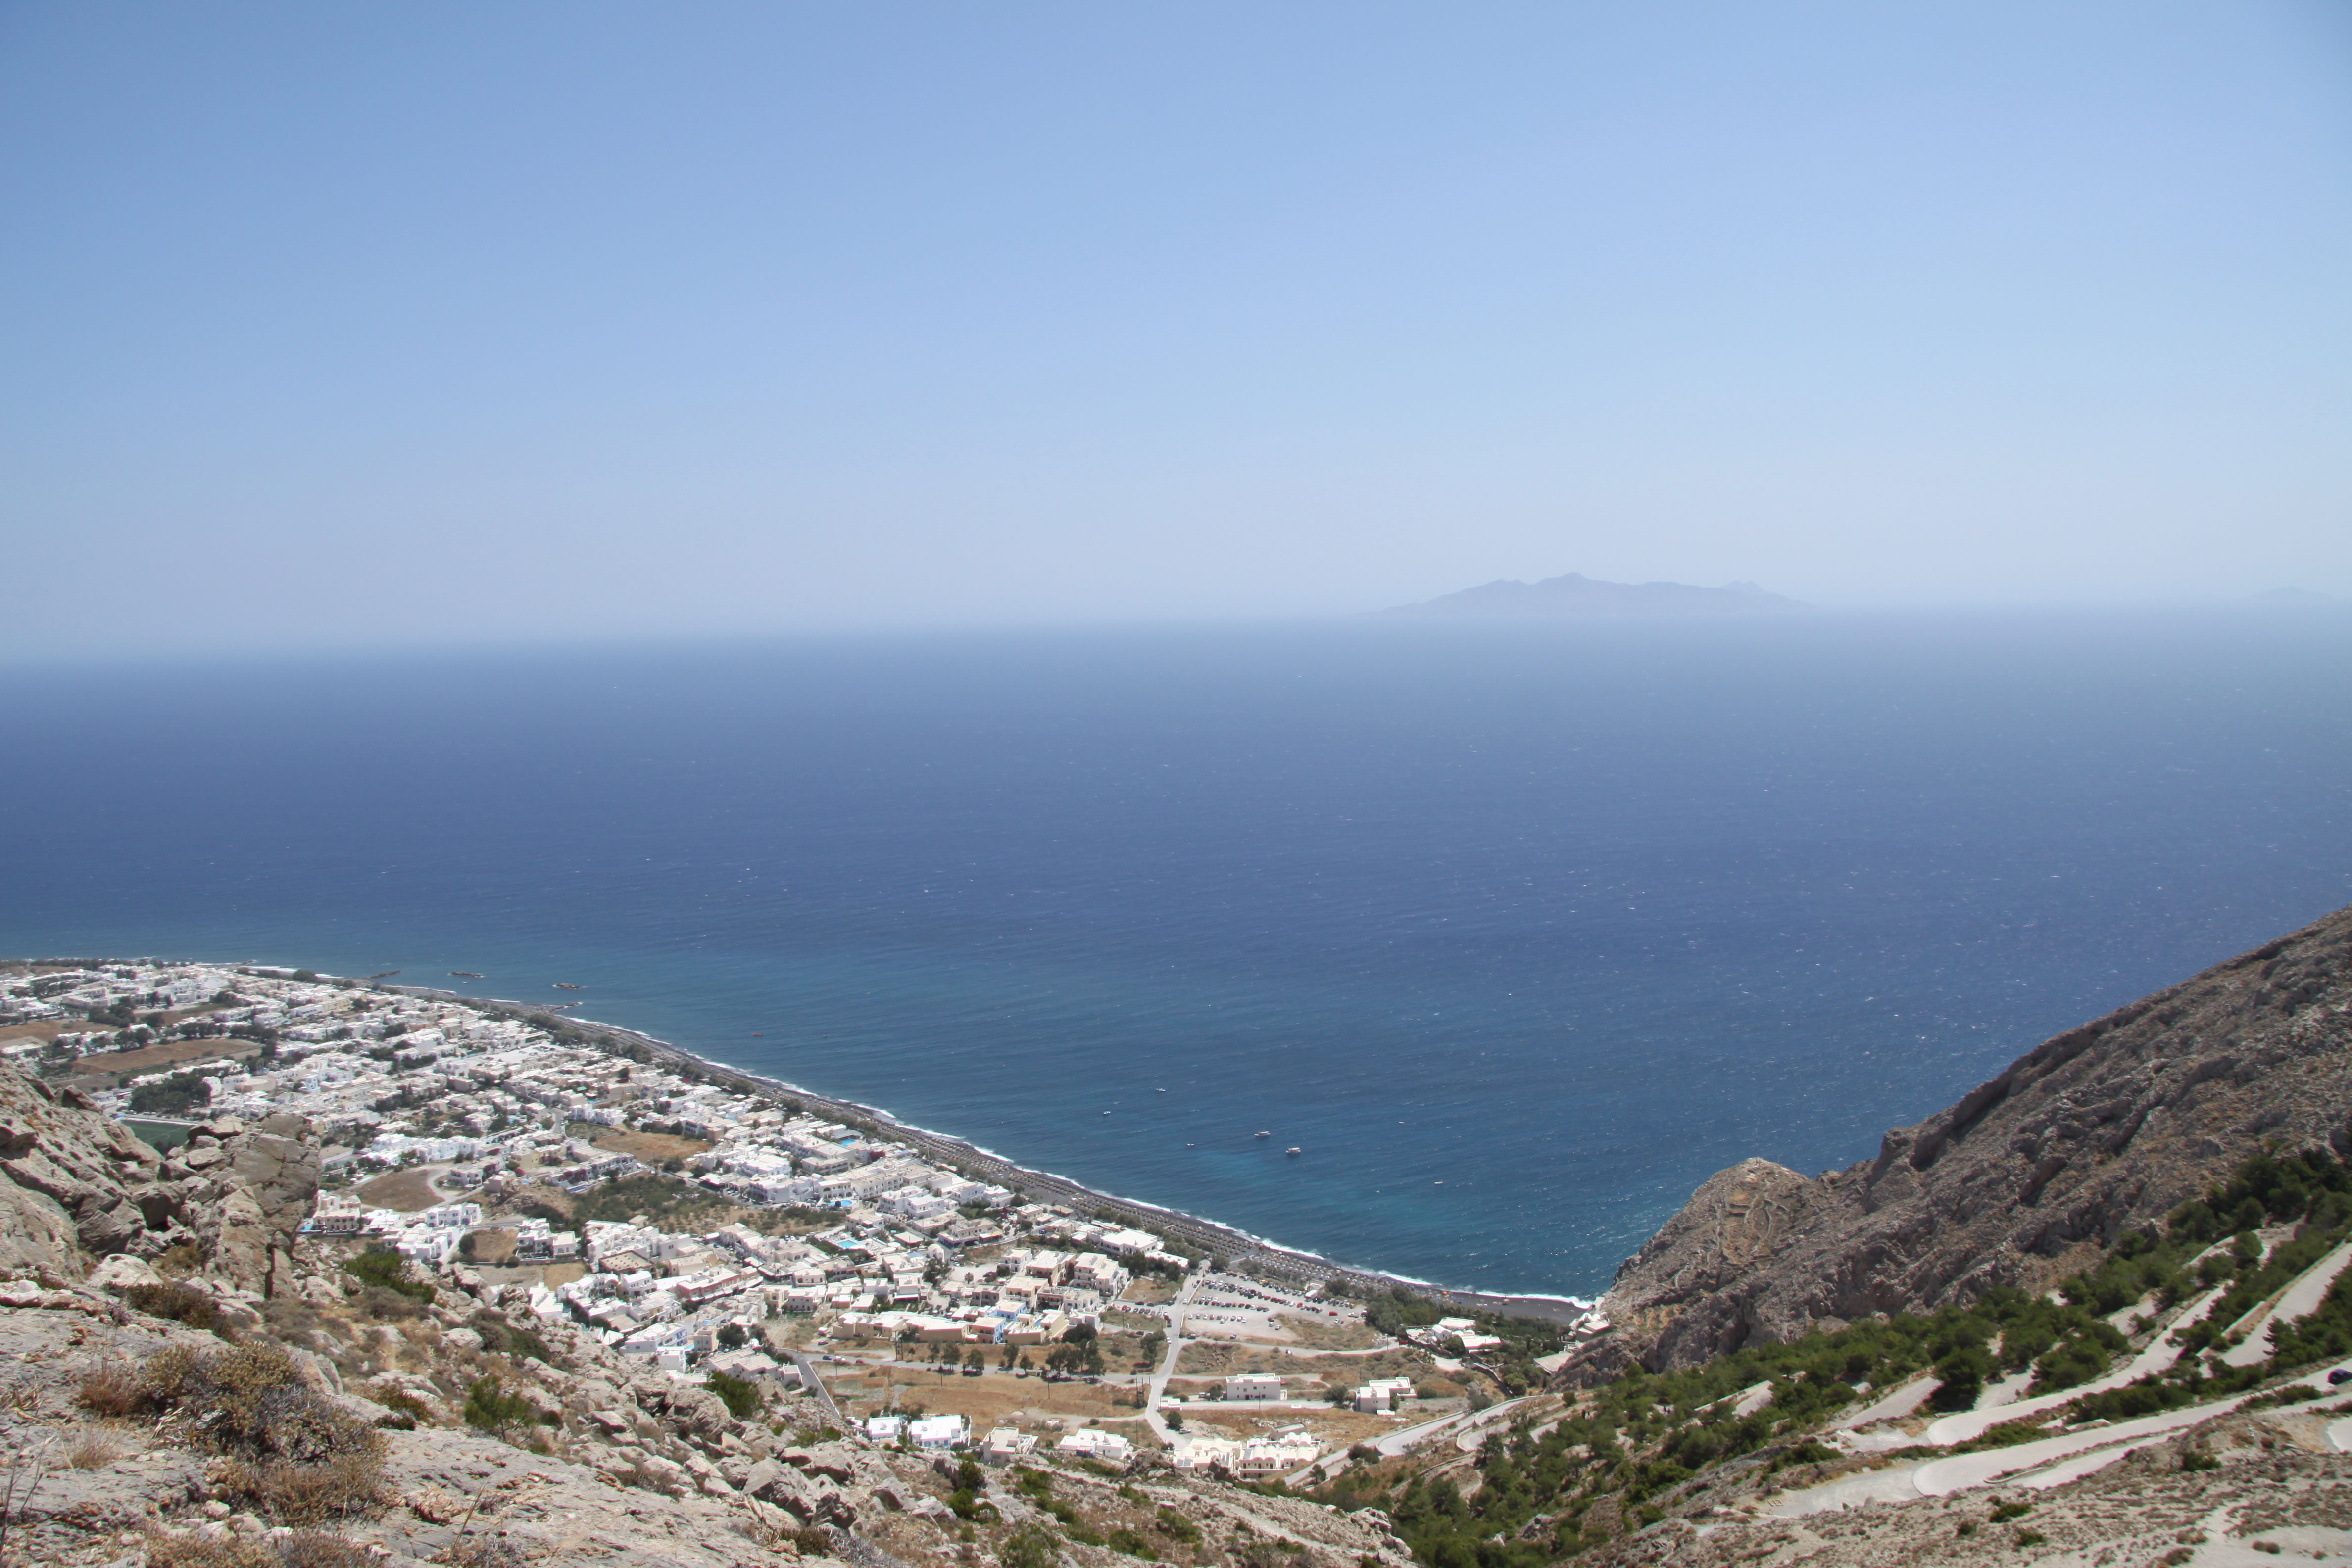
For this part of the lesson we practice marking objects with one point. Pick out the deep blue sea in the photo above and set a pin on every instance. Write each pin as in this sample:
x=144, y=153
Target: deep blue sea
x=1519, y=931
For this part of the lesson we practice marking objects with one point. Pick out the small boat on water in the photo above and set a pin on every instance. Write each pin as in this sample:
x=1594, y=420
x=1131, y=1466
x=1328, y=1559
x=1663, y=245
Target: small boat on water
x=1292, y=1152
x=561, y=986
x=1262, y=1135
x=463, y=973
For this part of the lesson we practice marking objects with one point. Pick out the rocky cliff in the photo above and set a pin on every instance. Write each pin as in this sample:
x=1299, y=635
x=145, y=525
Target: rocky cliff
x=2106, y=1128
x=80, y=1188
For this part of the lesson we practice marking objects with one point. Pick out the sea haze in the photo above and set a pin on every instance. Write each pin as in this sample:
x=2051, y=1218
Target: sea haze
x=1517, y=932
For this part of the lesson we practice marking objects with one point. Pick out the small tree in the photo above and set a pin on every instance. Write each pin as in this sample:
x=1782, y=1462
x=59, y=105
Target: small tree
x=741, y=1394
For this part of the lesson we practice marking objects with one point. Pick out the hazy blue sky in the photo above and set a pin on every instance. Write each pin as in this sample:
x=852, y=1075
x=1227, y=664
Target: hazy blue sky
x=328, y=323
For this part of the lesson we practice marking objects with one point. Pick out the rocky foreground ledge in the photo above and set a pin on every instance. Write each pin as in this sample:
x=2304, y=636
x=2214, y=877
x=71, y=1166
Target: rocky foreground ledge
x=2106, y=1128
x=185, y=1381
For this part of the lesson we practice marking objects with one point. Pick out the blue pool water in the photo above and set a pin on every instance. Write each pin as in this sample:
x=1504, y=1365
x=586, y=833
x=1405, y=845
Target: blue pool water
x=1518, y=930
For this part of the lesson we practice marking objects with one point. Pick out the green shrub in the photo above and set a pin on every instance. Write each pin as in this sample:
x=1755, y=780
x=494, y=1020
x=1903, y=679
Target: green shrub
x=740, y=1394
x=1027, y=1546
x=506, y=1338
x=491, y=1409
x=387, y=1271
x=181, y=1303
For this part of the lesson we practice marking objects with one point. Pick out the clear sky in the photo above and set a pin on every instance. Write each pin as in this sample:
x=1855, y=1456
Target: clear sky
x=444, y=323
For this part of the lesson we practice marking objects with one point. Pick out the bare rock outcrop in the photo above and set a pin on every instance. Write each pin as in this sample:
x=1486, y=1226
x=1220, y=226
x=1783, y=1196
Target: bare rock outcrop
x=77, y=1187
x=2106, y=1128
x=70, y=1172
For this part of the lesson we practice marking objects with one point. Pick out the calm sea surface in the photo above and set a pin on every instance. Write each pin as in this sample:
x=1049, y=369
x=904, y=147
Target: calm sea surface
x=1519, y=931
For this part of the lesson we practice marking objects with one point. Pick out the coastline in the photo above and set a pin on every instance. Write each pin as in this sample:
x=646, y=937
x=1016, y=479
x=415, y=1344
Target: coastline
x=1223, y=1241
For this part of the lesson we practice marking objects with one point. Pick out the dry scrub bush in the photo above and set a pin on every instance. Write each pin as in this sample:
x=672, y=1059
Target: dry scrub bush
x=93, y=1451
x=483, y=1551
x=290, y=1447
x=303, y=1548
x=180, y=1303
x=113, y=1389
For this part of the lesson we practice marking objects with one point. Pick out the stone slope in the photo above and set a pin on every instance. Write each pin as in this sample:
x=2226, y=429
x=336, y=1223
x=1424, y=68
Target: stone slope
x=79, y=1187
x=2107, y=1127
x=614, y=1463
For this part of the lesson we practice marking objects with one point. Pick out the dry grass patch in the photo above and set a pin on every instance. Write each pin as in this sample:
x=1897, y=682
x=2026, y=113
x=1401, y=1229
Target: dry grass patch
x=93, y=1450
x=302, y=1549
x=986, y=1401
x=1151, y=1290
x=489, y=1248
x=407, y=1191
x=114, y=1389
x=1322, y=1334
x=167, y=1053
x=653, y=1148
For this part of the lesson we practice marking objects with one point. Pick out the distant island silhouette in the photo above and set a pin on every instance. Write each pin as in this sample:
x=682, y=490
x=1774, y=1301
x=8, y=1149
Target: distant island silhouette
x=1577, y=594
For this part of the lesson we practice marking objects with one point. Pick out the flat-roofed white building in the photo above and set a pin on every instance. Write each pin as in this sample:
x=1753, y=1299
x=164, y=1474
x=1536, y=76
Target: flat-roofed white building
x=1094, y=1443
x=1253, y=1385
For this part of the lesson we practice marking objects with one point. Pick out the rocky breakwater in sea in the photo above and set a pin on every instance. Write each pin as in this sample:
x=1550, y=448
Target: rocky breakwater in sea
x=2107, y=1128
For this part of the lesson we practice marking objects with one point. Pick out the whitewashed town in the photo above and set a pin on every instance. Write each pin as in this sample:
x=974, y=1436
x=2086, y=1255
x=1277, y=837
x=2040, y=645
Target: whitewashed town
x=701, y=1230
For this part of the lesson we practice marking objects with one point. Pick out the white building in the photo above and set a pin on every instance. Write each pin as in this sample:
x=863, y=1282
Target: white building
x=1095, y=1443
x=939, y=1432
x=1274, y=1455
x=1007, y=1444
x=1253, y=1385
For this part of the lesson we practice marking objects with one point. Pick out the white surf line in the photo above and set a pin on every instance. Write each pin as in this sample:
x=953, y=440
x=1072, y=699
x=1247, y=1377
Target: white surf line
x=2161, y=1352
x=2301, y=1298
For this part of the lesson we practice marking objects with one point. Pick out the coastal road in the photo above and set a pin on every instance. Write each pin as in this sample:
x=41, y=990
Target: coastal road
x=2055, y=1461
x=1158, y=1387
x=1461, y=1423
x=2160, y=1353
x=812, y=1380
x=2298, y=1302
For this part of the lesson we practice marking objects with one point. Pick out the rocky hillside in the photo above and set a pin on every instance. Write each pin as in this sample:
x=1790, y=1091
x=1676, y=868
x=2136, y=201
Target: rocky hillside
x=186, y=1382
x=2107, y=1128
